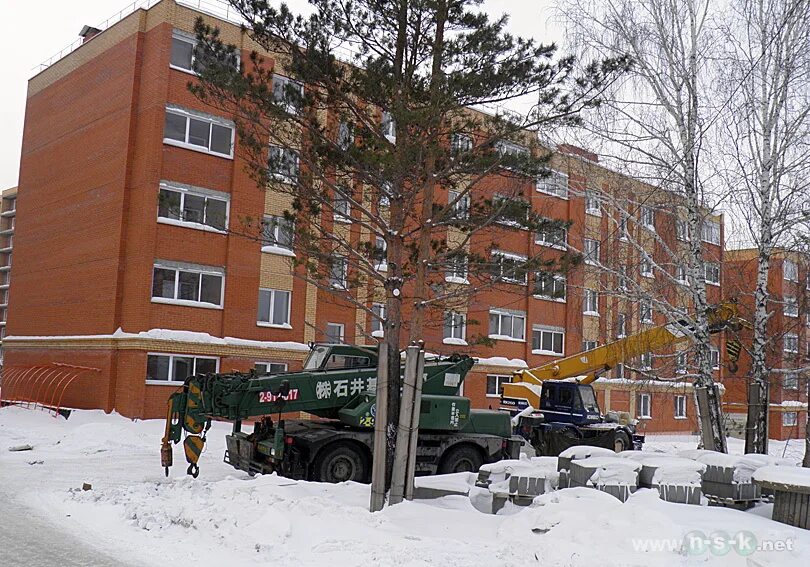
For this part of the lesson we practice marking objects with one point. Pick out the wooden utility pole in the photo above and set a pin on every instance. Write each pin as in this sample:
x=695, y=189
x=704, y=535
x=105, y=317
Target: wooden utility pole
x=380, y=421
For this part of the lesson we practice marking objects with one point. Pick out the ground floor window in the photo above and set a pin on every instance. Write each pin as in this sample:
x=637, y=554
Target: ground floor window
x=270, y=367
x=495, y=384
x=680, y=407
x=644, y=405
x=178, y=367
x=790, y=418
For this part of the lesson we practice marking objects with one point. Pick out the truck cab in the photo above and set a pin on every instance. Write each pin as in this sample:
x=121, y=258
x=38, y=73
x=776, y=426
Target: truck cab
x=569, y=402
x=325, y=356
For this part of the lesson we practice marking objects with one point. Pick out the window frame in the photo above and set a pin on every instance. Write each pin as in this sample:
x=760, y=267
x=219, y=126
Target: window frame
x=647, y=217
x=642, y=414
x=541, y=239
x=457, y=269
x=501, y=313
x=189, y=115
x=791, y=275
x=285, y=152
x=183, y=191
x=457, y=320
x=377, y=325
x=550, y=184
x=289, y=106
x=188, y=268
x=794, y=422
x=546, y=329
x=645, y=361
x=342, y=206
x=342, y=334
x=644, y=308
x=792, y=337
x=711, y=268
x=555, y=278
x=793, y=384
x=714, y=358
x=170, y=381
x=501, y=255
x=646, y=266
x=268, y=363
x=586, y=293
x=708, y=232
x=680, y=406
x=275, y=247
x=587, y=255
x=500, y=380
x=591, y=196
x=790, y=307
x=343, y=261
x=272, y=303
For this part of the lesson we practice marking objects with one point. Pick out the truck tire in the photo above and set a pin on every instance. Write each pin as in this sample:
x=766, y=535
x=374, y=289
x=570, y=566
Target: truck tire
x=340, y=462
x=461, y=458
x=621, y=441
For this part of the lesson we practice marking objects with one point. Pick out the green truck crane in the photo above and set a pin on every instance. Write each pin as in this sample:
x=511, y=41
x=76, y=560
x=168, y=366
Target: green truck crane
x=338, y=386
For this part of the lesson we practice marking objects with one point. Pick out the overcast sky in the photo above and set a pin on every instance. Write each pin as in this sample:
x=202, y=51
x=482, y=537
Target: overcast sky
x=35, y=30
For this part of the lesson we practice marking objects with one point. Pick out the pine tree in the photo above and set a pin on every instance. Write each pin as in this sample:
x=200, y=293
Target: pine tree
x=373, y=113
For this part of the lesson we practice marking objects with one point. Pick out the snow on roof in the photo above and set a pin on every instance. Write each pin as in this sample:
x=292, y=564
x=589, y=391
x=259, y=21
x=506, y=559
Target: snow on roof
x=502, y=361
x=171, y=335
x=795, y=476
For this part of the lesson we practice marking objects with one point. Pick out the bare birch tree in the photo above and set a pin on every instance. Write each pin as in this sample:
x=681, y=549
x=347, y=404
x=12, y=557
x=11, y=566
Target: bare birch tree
x=765, y=76
x=654, y=125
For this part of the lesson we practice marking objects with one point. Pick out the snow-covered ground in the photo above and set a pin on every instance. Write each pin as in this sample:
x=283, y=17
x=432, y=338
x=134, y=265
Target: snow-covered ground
x=133, y=515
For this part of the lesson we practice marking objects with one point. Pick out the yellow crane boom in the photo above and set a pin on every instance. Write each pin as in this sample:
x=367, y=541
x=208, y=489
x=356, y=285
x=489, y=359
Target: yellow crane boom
x=525, y=383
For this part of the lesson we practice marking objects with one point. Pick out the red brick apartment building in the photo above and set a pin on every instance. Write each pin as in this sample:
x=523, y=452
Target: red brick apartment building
x=106, y=278
x=789, y=329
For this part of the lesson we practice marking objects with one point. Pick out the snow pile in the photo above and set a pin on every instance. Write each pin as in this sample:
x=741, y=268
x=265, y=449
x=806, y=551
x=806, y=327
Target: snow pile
x=793, y=476
x=675, y=471
x=585, y=451
x=611, y=470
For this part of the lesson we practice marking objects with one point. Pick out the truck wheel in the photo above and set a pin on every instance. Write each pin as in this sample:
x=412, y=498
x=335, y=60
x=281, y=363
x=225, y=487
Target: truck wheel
x=621, y=441
x=461, y=458
x=340, y=462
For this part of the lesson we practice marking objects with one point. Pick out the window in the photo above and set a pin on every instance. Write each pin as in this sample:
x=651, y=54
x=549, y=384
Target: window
x=338, y=271
x=681, y=230
x=591, y=248
x=274, y=308
x=791, y=307
x=456, y=271
x=510, y=268
x=711, y=232
x=277, y=232
x=187, y=284
x=175, y=368
x=623, y=234
x=455, y=328
x=283, y=164
x=341, y=206
x=198, y=131
x=590, y=302
x=380, y=254
x=790, y=381
x=644, y=406
x=618, y=370
x=790, y=418
x=288, y=93
x=345, y=135
x=589, y=345
x=495, y=385
x=680, y=363
x=507, y=324
x=552, y=236
x=460, y=205
x=648, y=217
x=461, y=143
x=334, y=333
x=389, y=127
x=714, y=358
x=680, y=407
x=791, y=343
x=711, y=271
x=645, y=361
x=592, y=202
x=195, y=208
x=621, y=325
x=510, y=211
x=378, y=319
x=681, y=274
x=511, y=149
x=646, y=265
x=645, y=312
x=623, y=281
x=549, y=286
x=555, y=183
x=185, y=57
x=263, y=368
x=547, y=340
x=790, y=271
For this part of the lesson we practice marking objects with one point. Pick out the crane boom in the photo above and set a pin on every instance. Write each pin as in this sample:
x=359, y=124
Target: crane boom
x=524, y=384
